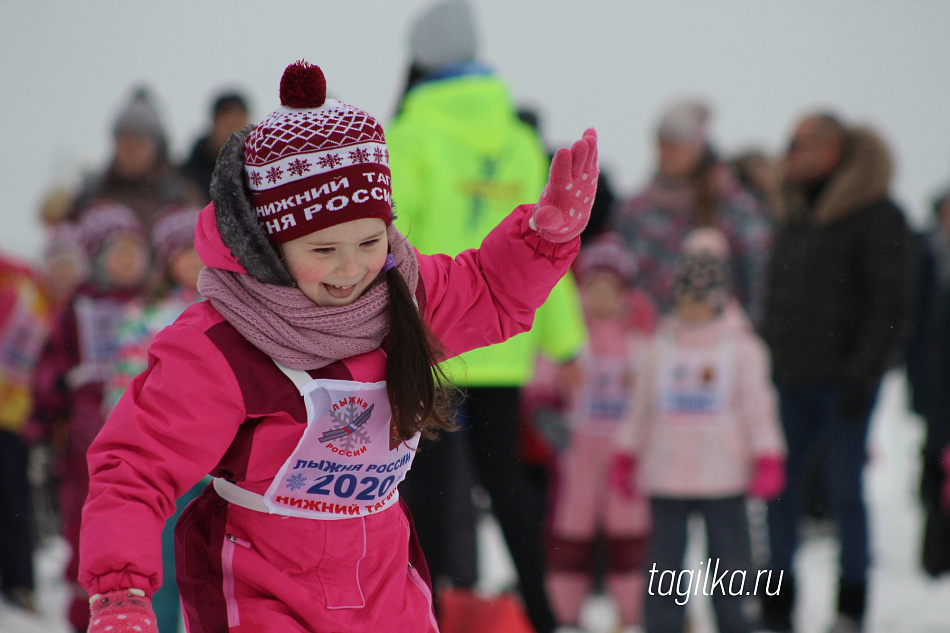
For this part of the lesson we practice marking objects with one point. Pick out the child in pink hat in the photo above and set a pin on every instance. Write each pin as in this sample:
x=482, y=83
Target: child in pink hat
x=583, y=505
x=78, y=360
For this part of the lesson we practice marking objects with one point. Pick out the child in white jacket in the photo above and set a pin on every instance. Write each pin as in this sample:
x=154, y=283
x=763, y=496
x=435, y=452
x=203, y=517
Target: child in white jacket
x=704, y=433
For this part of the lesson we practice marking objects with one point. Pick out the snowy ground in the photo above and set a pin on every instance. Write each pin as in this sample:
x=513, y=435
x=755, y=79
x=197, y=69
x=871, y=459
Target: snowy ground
x=903, y=599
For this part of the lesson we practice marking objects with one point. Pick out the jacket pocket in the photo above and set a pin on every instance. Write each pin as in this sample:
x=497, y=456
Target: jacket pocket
x=231, y=542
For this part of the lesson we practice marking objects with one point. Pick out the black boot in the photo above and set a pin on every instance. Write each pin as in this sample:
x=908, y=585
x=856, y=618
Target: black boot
x=851, y=596
x=777, y=609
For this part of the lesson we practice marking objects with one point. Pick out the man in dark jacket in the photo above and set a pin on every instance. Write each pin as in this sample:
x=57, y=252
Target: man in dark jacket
x=229, y=113
x=840, y=295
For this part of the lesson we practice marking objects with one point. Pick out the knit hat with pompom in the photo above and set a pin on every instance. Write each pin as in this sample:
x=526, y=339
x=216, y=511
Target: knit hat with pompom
x=173, y=231
x=607, y=252
x=103, y=221
x=315, y=162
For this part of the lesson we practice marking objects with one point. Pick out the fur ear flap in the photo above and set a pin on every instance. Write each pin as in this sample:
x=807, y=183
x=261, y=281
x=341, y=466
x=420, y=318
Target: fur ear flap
x=236, y=220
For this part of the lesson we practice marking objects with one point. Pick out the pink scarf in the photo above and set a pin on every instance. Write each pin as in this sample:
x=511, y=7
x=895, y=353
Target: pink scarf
x=287, y=326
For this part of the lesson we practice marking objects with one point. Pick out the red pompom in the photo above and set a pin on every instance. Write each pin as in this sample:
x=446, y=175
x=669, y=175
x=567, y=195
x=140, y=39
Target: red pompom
x=303, y=86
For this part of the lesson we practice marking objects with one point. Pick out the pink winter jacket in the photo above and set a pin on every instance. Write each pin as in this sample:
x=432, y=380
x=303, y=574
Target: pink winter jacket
x=704, y=409
x=210, y=402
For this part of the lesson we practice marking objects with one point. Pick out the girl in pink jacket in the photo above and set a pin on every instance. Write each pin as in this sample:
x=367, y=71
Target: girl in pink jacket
x=303, y=384
x=583, y=505
x=78, y=360
x=703, y=434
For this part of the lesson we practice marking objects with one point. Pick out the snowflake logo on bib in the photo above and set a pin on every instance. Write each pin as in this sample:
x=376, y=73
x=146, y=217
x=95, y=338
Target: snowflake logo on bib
x=348, y=417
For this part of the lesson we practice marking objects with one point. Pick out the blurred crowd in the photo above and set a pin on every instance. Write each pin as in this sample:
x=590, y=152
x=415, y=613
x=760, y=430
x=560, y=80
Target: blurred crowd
x=721, y=342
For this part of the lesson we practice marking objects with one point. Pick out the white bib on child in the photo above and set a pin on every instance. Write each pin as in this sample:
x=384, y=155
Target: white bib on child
x=346, y=464
x=604, y=395
x=695, y=385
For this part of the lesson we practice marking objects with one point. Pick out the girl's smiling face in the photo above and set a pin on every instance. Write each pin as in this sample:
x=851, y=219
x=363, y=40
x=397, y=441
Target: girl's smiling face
x=333, y=266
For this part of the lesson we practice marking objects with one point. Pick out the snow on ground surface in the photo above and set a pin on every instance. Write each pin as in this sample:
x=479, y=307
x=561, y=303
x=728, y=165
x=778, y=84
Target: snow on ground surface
x=903, y=599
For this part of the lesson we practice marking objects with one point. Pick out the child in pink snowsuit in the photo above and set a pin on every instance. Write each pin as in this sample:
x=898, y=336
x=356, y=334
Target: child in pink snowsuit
x=79, y=359
x=303, y=383
x=703, y=434
x=583, y=504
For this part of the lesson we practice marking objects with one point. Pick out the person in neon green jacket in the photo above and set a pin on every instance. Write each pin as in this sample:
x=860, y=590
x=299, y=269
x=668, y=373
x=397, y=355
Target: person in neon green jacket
x=460, y=158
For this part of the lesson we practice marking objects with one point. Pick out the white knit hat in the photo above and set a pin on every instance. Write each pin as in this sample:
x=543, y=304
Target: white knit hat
x=685, y=121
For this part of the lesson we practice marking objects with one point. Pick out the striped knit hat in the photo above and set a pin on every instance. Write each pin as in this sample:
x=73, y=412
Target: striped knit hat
x=315, y=162
x=174, y=230
x=607, y=252
x=103, y=221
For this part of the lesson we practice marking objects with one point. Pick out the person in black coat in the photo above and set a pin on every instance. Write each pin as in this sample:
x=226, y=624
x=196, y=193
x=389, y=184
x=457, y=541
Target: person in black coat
x=229, y=113
x=840, y=295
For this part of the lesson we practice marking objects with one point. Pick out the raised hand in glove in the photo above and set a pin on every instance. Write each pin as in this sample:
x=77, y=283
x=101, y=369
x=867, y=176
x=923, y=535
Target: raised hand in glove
x=566, y=201
x=121, y=611
x=768, y=477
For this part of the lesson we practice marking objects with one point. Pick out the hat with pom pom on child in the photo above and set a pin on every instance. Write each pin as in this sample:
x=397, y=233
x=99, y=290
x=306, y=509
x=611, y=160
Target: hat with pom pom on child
x=173, y=231
x=103, y=221
x=607, y=252
x=315, y=162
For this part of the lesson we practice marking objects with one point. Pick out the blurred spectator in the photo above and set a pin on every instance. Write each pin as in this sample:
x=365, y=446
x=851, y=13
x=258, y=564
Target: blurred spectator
x=78, y=360
x=139, y=175
x=461, y=160
x=928, y=374
x=229, y=113
x=932, y=396
x=933, y=279
x=173, y=244
x=840, y=292
x=24, y=325
x=693, y=188
x=604, y=199
x=64, y=265
x=758, y=173
x=56, y=206
x=583, y=504
x=703, y=435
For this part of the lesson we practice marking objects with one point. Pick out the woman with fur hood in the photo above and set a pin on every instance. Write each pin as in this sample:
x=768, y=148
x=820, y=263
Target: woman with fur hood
x=304, y=382
x=840, y=295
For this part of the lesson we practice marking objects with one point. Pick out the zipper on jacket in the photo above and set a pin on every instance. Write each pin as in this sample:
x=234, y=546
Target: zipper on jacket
x=424, y=589
x=227, y=569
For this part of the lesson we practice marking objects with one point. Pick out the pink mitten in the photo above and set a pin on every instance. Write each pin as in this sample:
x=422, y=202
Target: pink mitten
x=768, y=477
x=565, y=204
x=623, y=474
x=121, y=611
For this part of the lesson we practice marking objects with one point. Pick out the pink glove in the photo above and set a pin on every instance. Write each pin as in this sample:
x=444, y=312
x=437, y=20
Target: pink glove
x=945, y=490
x=121, y=611
x=768, y=477
x=623, y=474
x=566, y=201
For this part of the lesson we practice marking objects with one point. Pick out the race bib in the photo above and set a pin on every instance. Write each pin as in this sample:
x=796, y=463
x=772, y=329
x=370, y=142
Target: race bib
x=345, y=464
x=694, y=385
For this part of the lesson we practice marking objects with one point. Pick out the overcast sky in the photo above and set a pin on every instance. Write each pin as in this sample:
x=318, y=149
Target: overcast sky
x=614, y=64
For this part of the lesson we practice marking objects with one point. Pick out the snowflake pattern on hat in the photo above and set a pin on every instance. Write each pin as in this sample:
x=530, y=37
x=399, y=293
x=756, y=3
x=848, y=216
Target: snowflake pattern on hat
x=315, y=162
x=291, y=143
